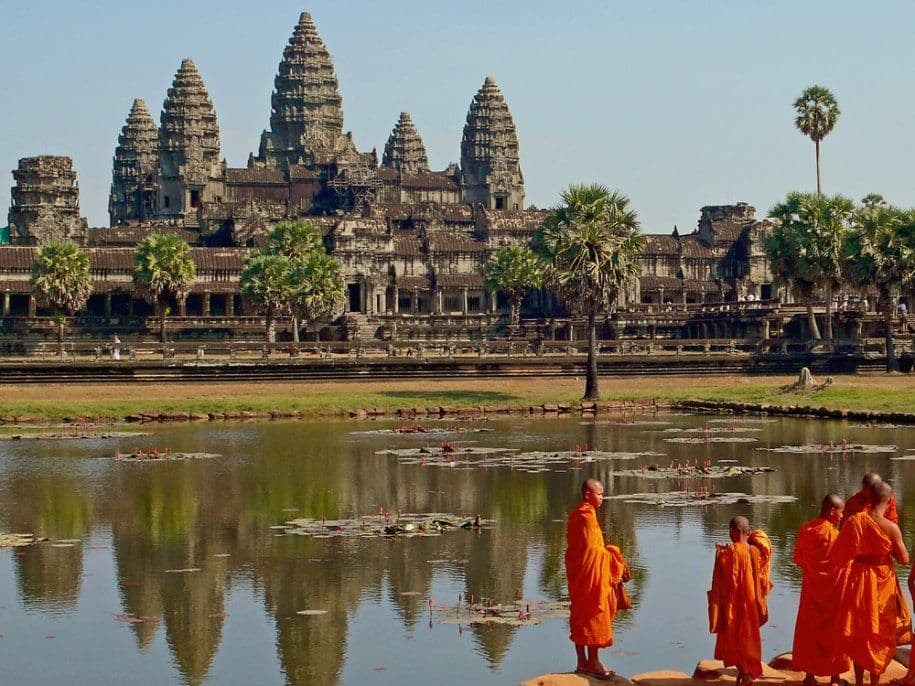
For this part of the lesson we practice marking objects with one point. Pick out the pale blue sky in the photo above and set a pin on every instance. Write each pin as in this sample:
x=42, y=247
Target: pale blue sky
x=678, y=104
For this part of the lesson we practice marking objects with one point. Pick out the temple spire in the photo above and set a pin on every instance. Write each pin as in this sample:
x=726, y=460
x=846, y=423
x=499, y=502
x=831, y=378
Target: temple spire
x=490, y=159
x=136, y=159
x=306, y=118
x=405, y=150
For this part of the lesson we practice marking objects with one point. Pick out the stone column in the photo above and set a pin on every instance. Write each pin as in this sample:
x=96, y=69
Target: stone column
x=660, y=299
x=493, y=301
x=182, y=306
x=439, y=301
x=206, y=304
x=466, y=308
x=108, y=304
x=396, y=307
x=765, y=331
x=414, y=305
x=32, y=306
x=230, y=305
x=6, y=304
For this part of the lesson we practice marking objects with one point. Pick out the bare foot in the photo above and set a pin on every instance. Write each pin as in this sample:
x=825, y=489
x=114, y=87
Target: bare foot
x=809, y=680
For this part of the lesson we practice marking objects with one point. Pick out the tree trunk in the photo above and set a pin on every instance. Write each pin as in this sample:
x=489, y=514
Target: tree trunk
x=60, y=336
x=892, y=364
x=515, y=311
x=162, y=331
x=591, y=390
x=295, y=329
x=270, y=334
x=819, y=186
x=828, y=331
x=812, y=320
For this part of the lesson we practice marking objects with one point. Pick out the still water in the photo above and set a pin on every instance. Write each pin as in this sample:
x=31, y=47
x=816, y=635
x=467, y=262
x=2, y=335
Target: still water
x=234, y=621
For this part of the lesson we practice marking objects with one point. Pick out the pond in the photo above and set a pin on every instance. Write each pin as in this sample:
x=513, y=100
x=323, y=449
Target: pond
x=173, y=571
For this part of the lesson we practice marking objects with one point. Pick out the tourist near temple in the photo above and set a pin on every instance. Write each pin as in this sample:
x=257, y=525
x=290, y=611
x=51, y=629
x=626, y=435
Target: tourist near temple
x=412, y=241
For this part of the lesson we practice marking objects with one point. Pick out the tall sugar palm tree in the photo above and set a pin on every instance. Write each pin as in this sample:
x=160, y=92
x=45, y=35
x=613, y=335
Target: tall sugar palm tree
x=318, y=291
x=805, y=248
x=513, y=269
x=61, y=280
x=163, y=268
x=591, y=244
x=265, y=279
x=880, y=253
x=817, y=113
x=293, y=238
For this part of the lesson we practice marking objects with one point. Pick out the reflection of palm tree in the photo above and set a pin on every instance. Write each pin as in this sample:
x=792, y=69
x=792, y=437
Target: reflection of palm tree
x=57, y=507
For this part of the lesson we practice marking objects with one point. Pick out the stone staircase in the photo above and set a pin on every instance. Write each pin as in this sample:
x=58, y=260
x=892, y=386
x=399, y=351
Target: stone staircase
x=365, y=330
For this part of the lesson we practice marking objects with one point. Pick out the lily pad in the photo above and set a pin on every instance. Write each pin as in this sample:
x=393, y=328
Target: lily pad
x=699, y=499
x=74, y=434
x=423, y=431
x=162, y=456
x=833, y=449
x=385, y=525
x=690, y=472
x=311, y=613
x=698, y=440
x=515, y=613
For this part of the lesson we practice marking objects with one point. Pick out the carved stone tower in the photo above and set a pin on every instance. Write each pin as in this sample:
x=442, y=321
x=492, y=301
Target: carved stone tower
x=45, y=202
x=490, y=162
x=190, y=172
x=136, y=160
x=306, y=119
x=405, y=150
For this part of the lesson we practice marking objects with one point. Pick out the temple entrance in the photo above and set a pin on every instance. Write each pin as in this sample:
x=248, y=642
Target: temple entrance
x=354, y=293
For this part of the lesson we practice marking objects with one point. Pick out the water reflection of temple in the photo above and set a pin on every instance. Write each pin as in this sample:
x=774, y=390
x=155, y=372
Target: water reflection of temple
x=216, y=518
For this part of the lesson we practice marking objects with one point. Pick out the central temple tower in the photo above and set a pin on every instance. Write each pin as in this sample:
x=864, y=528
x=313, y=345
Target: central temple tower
x=306, y=118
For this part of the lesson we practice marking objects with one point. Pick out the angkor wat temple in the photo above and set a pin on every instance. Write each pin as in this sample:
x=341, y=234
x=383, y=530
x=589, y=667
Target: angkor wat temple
x=412, y=241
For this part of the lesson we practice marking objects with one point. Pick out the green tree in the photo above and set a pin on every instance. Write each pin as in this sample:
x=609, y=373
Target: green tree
x=266, y=280
x=293, y=239
x=513, y=269
x=61, y=280
x=880, y=253
x=591, y=244
x=805, y=248
x=163, y=268
x=318, y=291
x=817, y=114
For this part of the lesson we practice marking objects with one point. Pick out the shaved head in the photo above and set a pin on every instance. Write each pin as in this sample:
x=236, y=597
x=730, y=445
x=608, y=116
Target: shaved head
x=831, y=502
x=590, y=485
x=881, y=492
x=740, y=525
x=871, y=479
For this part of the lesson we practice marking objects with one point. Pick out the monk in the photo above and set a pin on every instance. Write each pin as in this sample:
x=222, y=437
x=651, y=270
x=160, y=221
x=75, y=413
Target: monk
x=861, y=500
x=816, y=616
x=872, y=614
x=595, y=573
x=737, y=601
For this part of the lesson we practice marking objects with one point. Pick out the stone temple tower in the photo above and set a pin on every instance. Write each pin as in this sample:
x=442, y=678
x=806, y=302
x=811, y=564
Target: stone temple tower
x=306, y=119
x=190, y=172
x=405, y=150
x=136, y=161
x=45, y=202
x=490, y=162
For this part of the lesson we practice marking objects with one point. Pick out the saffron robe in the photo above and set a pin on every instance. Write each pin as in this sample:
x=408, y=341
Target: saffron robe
x=816, y=615
x=872, y=615
x=861, y=502
x=595, y=574
x=740, y=584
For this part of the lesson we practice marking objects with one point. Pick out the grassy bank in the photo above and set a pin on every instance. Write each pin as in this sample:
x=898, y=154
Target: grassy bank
x=54, y=402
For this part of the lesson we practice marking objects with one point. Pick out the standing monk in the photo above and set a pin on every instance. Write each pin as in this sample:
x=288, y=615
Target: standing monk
x=737, y=601
x=872, y=613
x=816, y=616
x=595, y=573
x=861, y=500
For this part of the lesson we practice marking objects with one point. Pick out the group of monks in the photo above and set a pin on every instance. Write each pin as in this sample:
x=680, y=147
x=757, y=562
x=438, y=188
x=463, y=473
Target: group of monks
x=852, y=611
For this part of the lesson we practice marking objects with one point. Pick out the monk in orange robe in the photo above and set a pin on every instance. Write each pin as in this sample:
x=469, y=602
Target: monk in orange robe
x=872, y=615
x=816, y=616
x=737, y=601
x=595, y=573
x=861, y=500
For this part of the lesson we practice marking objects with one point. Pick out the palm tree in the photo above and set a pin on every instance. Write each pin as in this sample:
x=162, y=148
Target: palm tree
x=805, y=248
x=880, y=253
x=318, y=291
x=817, y=114
x=513, y=269
x=591, y=243
x=163, y=268
x=61, y=279
x=293, y=239
x=265, y=279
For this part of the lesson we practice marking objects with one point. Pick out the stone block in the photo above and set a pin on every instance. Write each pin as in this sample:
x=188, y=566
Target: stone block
x=664, y=677
x=571, y=679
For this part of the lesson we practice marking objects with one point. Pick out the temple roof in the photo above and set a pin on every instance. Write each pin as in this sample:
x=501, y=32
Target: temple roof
x=137, y=153
x=405, y=150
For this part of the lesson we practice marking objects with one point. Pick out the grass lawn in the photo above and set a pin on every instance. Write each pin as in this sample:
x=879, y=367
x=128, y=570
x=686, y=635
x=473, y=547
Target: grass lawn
x=53, y=401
